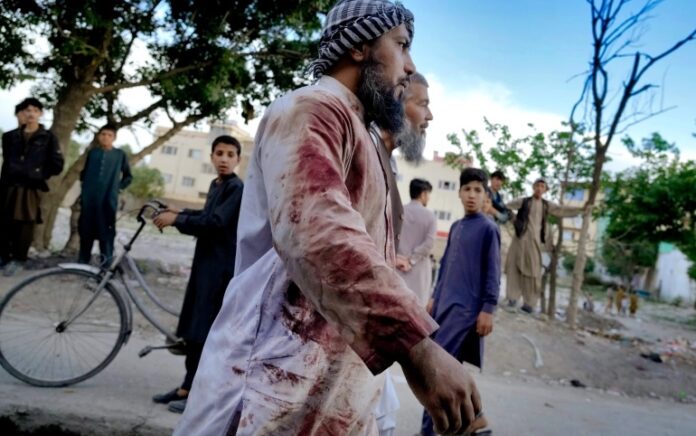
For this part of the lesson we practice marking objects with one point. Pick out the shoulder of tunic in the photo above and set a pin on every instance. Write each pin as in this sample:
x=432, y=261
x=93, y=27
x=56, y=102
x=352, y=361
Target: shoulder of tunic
x=309, y=101
x=233, y=182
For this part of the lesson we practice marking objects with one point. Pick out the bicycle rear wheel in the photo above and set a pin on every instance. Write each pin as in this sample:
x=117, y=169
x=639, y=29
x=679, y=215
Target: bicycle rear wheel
x=37, y=347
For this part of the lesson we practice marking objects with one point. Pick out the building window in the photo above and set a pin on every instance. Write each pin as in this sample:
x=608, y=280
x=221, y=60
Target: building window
x=443, y=215
x=567, y=235
x=168, y=149
x=575, y=195
x=195, y=154
x=187, y=181
x=167, y=177
x=208, y=169
x=447, y=185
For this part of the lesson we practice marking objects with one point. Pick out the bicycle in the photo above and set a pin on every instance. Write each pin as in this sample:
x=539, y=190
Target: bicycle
x=66, y=324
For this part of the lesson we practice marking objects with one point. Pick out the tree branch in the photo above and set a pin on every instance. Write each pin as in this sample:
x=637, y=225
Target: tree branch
x=176, y=128
x=641, y=119
x=127, y=121
x=151, y=80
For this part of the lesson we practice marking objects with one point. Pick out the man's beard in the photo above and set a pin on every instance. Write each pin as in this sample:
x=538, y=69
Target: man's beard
x=379, y=99
x=410, y=143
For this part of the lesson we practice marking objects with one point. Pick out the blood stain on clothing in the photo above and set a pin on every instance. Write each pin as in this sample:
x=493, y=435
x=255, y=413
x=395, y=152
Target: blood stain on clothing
x=277, y=375
x=300, y=317
x=317, y=172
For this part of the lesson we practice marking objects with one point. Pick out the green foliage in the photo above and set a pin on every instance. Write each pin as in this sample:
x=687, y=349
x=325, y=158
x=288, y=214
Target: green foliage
x=569, y=263
x=651, y=203
x=202, y=57
x=593, y=280
x=621, y=258
x=147, y=183
x=559, y=156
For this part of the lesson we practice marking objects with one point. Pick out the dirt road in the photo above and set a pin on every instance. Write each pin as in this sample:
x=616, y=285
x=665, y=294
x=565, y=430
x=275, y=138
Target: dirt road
x=519, y=398
x=117, y=402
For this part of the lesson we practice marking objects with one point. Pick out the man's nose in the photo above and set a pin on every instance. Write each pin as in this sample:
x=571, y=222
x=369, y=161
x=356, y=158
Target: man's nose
x=409, y=66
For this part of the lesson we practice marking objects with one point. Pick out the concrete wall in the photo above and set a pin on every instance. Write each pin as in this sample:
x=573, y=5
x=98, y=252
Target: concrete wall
x=672, y=279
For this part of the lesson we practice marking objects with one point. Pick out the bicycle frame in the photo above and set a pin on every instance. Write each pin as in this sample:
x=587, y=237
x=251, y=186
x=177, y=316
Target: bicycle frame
x=120, y=263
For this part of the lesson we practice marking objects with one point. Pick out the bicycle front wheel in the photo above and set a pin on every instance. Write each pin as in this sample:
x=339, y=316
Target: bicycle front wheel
x=37, y=345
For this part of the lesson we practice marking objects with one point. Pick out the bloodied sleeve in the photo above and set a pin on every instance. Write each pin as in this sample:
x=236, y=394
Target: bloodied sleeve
x=321, y=236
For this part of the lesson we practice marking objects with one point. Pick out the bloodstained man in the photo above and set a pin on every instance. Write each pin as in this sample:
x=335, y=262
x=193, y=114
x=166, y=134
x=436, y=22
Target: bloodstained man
x=315, y=309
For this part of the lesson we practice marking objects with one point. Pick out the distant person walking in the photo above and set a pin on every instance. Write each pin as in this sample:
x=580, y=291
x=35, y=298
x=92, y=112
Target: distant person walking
x=106, y=173
x=417, y=240
x=215, y=226
x=31, y=155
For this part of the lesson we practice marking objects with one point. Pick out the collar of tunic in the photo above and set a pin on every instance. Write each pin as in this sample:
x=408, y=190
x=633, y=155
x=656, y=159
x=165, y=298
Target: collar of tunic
x=336, y=87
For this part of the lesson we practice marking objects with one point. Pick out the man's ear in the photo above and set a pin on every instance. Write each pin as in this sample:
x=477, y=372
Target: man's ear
x=361, y=55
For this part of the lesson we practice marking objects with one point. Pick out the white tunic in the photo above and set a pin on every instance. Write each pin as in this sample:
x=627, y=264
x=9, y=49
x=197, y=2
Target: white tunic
x=315, y=308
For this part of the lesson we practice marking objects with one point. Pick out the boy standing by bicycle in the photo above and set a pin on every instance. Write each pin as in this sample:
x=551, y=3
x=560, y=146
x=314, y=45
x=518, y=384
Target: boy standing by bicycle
x=215, y=227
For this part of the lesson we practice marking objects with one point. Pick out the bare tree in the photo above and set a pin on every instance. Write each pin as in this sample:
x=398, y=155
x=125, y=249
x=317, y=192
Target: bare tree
x=604, y=101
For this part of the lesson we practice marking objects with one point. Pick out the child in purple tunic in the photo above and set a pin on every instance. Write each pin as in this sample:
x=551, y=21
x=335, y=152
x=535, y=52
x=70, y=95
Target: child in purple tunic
x=467, y=289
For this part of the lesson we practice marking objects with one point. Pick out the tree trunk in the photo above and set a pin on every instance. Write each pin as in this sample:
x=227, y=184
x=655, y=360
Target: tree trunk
x=542, y=295
x=553, y=271
x=72, y=247
x=65, y=116
x=581, y=258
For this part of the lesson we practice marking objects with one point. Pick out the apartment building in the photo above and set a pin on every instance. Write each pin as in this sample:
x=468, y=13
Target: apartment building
x=184, y=161
x=572, y=226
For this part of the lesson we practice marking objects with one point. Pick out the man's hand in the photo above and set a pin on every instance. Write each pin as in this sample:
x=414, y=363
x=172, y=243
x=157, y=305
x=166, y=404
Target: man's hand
x=484, y=324
x=443, y=387
x=164, y=219
x=173, y=210
x=403, y=263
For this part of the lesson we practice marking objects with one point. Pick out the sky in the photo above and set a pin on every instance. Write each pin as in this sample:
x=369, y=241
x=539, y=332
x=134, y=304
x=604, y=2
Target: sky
x=514, y=62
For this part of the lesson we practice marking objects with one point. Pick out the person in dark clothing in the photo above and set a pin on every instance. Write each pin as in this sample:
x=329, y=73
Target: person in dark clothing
x=466, y=294
x=215, y=226
x=106, y=173
x=499, y=211
x=31, y=155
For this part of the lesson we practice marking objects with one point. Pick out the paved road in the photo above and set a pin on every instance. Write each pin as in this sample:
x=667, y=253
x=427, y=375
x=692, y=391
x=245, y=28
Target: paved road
x=117, y=401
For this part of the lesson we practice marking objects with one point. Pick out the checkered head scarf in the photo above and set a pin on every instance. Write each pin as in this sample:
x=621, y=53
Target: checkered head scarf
x=351, y=23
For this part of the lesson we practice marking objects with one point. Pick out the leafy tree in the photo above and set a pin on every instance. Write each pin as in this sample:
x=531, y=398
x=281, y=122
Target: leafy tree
x=649, y=204
x=147, y=183
x=622, y=258
x=603, y=105
x=569, y=263
x=193, y=59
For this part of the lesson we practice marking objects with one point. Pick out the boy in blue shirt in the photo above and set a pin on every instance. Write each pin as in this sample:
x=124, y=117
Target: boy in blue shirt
x=466, y=293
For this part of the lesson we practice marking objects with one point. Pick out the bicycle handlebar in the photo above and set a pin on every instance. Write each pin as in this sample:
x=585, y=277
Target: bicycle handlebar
x=156, y=206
